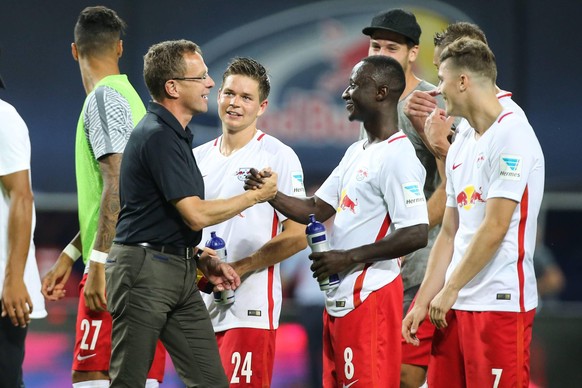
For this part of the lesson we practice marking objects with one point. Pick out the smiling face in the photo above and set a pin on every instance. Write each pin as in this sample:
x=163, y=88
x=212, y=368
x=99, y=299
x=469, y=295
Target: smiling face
x=391, y=44
x=449, y=84
x=194, y=92
x=360, y=93
x=239, y=104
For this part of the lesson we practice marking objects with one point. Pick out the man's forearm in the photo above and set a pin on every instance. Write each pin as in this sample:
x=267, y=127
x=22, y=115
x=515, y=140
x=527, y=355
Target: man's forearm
x=434, y=277
x=436, y=206
x=479, y=253
x=399, y=243
x=198, y=213
x=437, y=202
x=109, y=207
x=299, y=209
x=485, y=242
x=76, y=241
x=19, y=233
x=108, y=214
x=290, y=241
x=440, y=257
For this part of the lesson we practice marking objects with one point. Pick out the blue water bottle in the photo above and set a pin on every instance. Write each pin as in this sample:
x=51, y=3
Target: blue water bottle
x=317, y=240
x=227, y=296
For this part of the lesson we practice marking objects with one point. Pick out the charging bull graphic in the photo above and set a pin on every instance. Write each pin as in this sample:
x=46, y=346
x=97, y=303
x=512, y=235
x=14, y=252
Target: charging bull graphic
x=346, y=203
x=467, y=198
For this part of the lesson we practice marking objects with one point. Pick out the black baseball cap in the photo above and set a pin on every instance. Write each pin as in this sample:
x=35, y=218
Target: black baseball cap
x=398, y=21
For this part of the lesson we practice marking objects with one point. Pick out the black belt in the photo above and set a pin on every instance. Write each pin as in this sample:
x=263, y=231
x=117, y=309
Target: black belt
x=187, y=252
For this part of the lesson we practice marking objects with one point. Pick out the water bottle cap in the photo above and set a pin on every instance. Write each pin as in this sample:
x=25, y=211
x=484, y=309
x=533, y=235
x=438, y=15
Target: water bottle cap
x=314, y=226
x=215, y=242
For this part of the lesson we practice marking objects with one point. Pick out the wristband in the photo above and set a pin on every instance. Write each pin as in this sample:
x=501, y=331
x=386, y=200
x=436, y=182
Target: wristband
x=98, y=257
x=72, y=251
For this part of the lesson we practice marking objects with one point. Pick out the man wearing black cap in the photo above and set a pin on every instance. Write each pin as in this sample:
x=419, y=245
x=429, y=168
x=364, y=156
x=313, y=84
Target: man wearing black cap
x=396, y=33
x=19, y=278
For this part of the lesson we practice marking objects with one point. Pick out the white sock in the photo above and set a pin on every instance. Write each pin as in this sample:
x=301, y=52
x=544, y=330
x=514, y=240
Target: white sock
x=92, y=384
x=152, y=383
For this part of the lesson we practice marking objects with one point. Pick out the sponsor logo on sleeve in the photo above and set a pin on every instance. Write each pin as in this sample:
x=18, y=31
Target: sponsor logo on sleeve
x=297, y=184
x=510, y=167
x=413, y=195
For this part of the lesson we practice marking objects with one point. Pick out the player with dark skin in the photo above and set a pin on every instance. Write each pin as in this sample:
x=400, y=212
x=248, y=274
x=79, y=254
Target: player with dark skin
x=378, y=113
x=371, y=97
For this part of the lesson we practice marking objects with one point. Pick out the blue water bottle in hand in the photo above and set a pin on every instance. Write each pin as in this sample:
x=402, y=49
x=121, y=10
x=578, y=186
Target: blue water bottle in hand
x=317, y=240
x=216, y=243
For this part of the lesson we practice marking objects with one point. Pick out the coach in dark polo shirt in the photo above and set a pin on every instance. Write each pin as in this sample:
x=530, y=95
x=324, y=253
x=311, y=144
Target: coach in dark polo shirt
x=151, y=269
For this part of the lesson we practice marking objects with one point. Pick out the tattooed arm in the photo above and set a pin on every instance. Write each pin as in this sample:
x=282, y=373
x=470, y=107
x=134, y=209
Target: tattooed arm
x=95, y=286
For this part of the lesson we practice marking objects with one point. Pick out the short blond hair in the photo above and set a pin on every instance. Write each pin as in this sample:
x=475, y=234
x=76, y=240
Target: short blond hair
x=473, y=55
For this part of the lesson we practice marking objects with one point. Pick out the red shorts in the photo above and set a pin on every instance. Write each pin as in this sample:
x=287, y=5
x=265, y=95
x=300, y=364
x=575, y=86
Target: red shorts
x=482, y=349
x=93, y=341
x=419, y=355
x=247, y=356
x=364, y=345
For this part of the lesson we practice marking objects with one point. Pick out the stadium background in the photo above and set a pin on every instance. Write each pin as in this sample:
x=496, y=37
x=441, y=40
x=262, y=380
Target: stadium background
x=309, y=48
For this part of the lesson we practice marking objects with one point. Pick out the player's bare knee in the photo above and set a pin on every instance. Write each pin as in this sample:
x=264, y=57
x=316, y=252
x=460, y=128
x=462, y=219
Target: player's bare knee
x=412, y=376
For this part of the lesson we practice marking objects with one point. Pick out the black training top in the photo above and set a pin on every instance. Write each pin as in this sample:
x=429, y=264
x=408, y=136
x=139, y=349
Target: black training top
x=158, y=166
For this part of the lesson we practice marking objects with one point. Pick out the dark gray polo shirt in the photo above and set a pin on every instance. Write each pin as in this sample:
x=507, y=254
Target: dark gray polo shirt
x=158, y=166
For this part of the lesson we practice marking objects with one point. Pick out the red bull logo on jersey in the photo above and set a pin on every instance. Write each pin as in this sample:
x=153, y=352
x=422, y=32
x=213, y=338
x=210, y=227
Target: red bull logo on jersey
x=346, y=203
x=242, y=173
x=467, y=198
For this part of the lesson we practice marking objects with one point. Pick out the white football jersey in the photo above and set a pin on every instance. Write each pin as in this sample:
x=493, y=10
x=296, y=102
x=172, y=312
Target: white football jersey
x=15, y=157
x=375, y=190
x=506, y=102
x=505, y=162
x=258, y=299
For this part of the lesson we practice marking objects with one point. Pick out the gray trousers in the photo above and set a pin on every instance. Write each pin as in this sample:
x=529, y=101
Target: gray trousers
x=153, y=295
